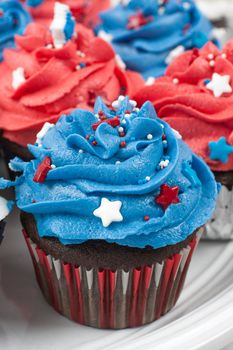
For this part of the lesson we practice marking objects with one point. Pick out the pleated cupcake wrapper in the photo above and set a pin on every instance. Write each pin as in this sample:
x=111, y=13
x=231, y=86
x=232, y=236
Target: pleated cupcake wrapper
x=220, y=227
x=103, y=298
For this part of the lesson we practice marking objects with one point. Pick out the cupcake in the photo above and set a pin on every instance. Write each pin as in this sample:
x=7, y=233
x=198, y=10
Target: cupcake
x=196, y=98
x=5, y=208
x=148, y=35
x=84, y=11
x=13, y=20
x=113, y=206
x=51, y=72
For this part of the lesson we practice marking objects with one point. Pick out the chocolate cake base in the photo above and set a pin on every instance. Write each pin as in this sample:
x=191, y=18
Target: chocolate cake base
x=98, y=253
x=225, y=178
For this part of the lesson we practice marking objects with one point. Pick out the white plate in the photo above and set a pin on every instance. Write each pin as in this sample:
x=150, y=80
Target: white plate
x=202, y=318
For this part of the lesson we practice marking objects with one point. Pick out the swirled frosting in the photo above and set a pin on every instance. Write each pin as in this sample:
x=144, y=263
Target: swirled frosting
x=40, y=82
x=84, y=11
x=196, y=98
x=149, y=34
x=13, y=20
x=119, y=175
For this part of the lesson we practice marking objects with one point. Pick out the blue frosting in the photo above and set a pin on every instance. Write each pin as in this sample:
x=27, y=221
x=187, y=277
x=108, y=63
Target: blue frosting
x=91, y=163
x=13, y=20
x=34, y=3
x=146, y=48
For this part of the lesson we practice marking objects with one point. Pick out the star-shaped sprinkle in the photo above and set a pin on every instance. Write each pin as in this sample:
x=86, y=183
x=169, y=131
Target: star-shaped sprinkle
x=138, y=20
x=18, y=78
x=105, y=36
x=109, y=212
x=177, y=134
x=41, y=134
x=43, y=168
x=220, y=84
x=117, y=103
x=220, y=150
x=174, y=54
x=168, y=195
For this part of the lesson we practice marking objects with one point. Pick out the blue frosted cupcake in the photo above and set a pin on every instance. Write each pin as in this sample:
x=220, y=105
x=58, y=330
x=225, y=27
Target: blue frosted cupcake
x=149, y=34
x=13, y=20
x=113, y=206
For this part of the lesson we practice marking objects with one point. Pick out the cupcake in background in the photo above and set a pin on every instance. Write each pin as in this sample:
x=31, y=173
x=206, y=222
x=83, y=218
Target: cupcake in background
x=113, y=206
x=13, y=20
x=148, y=35
x=196, y=98
x=84, y=11
x=51, y=72
x=5, y=208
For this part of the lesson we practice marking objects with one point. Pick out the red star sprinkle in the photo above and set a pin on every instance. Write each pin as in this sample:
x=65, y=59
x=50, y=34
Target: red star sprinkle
x=114, y=122
x=138, y=20
x=168, y=195
x=42, y=170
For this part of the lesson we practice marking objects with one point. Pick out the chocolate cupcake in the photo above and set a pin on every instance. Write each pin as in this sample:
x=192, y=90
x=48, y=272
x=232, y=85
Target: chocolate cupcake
x=51, y=72
x=13, y=20
x=113, y=206
x=196, y=98
x=148, y=35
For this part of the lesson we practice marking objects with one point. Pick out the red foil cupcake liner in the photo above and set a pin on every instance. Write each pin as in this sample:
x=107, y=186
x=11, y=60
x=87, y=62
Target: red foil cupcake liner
x=103, y=298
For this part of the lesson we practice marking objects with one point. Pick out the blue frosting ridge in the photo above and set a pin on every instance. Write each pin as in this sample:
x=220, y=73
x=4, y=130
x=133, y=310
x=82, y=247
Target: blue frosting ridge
x=146, y=48
x=90, y=164
x=14, y=19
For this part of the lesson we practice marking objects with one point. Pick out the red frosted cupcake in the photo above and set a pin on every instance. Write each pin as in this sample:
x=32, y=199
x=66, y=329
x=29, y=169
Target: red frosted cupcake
x=44, y=78
x=84, y=11
x=196, y=98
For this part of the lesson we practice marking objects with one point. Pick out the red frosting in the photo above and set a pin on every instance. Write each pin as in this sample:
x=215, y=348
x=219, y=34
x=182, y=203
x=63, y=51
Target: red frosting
x=85, y=11
x=53, y=85
x=191, y=108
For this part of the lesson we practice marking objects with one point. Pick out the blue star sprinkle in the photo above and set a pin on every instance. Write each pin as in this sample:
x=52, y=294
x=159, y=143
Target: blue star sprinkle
x=220, y=150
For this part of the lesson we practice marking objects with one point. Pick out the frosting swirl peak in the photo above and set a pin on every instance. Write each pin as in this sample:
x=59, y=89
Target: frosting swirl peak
x=148, y=35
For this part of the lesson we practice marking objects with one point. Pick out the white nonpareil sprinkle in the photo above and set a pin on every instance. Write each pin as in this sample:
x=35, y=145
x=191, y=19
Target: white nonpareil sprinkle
x=18, y=78
x=149, y=137
x=148, y=178
x=120, y=129
x=175, y=81
x=41, y=134
x=150, y=81
x=164, y=163
x=53, y=166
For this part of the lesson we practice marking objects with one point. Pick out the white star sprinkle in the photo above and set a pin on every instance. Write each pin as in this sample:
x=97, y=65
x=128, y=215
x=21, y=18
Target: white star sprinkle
x=177, y=134
x=18, y=78
x=41, y=134
x=105, y=36
x=116, y=104
x=109, y=212
x=174, y=54
x=219, y=84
